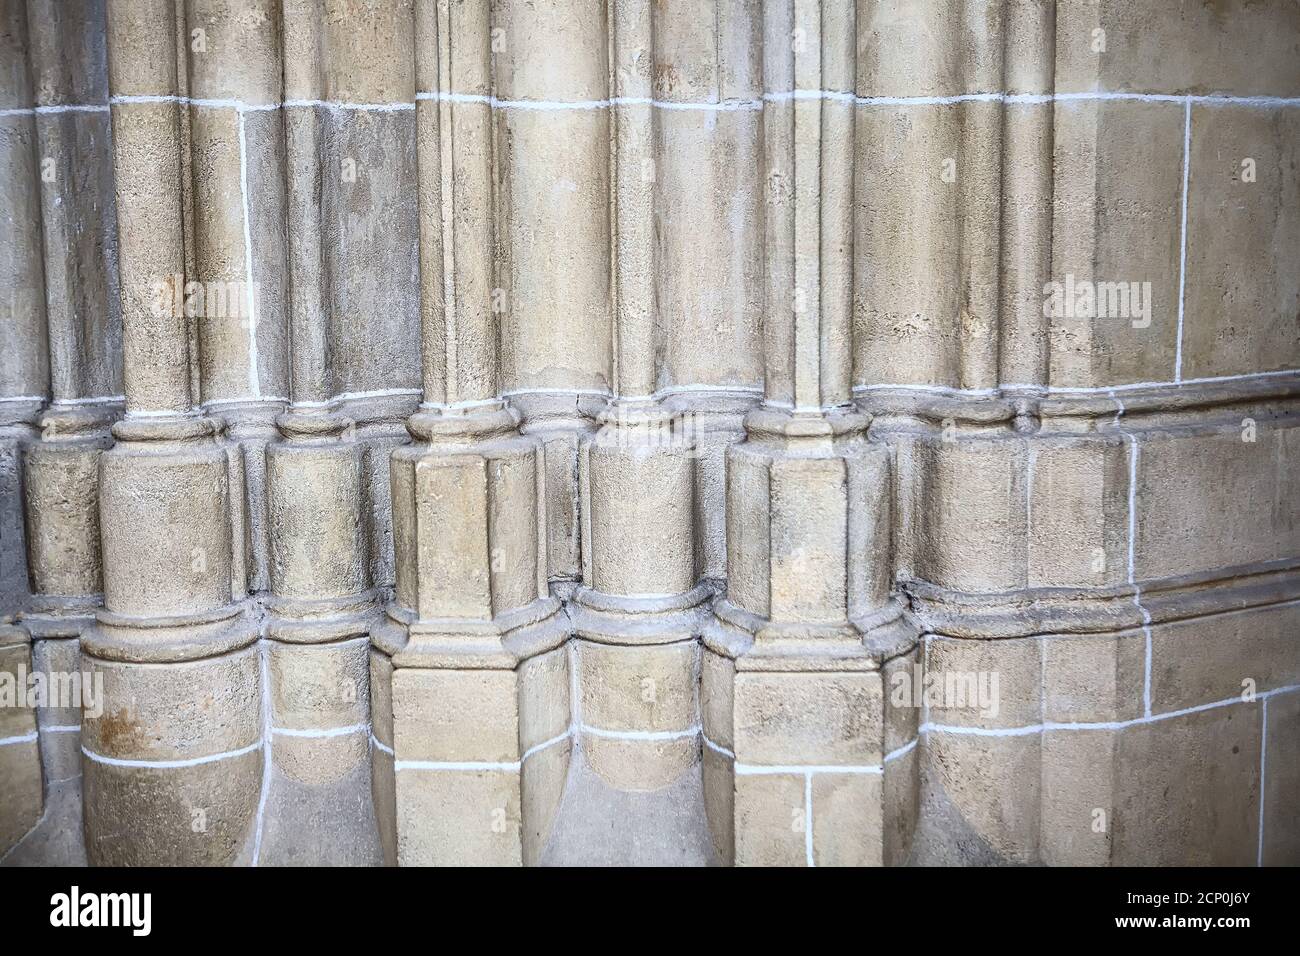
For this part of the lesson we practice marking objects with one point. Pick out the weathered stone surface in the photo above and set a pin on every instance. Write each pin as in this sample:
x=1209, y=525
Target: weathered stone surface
x=650, y=436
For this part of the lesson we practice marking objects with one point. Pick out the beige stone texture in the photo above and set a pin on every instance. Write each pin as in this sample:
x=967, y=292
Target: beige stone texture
x=1280, y=845
x=846, y=819
x=1188, y=790
x=771, y=820
x=484, y=828
x=827, y=719
x=1242, y=292
x=632, y=412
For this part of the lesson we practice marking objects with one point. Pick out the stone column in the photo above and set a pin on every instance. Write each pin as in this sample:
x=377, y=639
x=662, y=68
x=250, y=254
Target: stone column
x=173, y=765
x=637, y=615
x=794, y=696
x=66, y=56
x=24, y=387
x=469, y=659
x=321, y=603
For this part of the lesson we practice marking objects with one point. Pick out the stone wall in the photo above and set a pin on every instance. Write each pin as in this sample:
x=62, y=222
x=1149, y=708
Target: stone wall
x=680, y=431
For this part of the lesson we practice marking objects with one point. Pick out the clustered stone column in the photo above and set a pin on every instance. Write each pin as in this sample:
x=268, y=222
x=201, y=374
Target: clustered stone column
x=800, y=762
x=173, y=765
x=471, y=681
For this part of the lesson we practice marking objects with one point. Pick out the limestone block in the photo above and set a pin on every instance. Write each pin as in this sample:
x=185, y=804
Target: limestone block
x=554, y=172
x=1117, y=218
x=1079, y=797
x=21, y=789
x=544, y=705
x=1093, y=678
x=60, y=721
x=315, y=690
x=541, y=786
x=458, y=817
x=1164, y=45
x=1224, y=657
x=927, y=188
x=911, y=48
x=808, y=537
x=980, y=799
x=771, y=820
x=639, y=512
x=383, y=782
x=1280, y=844
x=847, y=819
x=1244, y=505
x=1241, y=220
x=985, y=684
x=62, y=510
x=975, y=503
x=719, y=777
x=823, y=719
x=166, y=531
x=469, y=522
x=456, y=716
x=1188, y=790
x=318, y=547
x=192, y=816
x=1077, y=511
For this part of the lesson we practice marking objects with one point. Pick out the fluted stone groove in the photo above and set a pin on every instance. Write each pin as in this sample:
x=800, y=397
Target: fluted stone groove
x=742, y=417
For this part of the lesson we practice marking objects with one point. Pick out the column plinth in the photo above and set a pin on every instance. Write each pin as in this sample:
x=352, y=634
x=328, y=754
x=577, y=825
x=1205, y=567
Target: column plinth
x=471, y=646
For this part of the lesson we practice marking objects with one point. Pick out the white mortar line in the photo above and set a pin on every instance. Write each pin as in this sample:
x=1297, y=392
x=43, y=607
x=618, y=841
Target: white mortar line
x=254, y=378
x=640, y=734
x=375, y=741
x=717, y=747
x=1135, y=452
x=538, y=748
x=20, y=739
x=902, y=751
x=242, y=400
x=1068, y=390
x=93, y=400
x=350, y=396
x=55, y=108
x=169, y=764
x=1263, y=749
x=262, y=797
x=1182, y=255
x=808, y=819
x=61, y=729
x=321, y=734
x=400, y=107
x=1049, y=726
x=772, y=770
x=744, y=105
x=503, y=766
